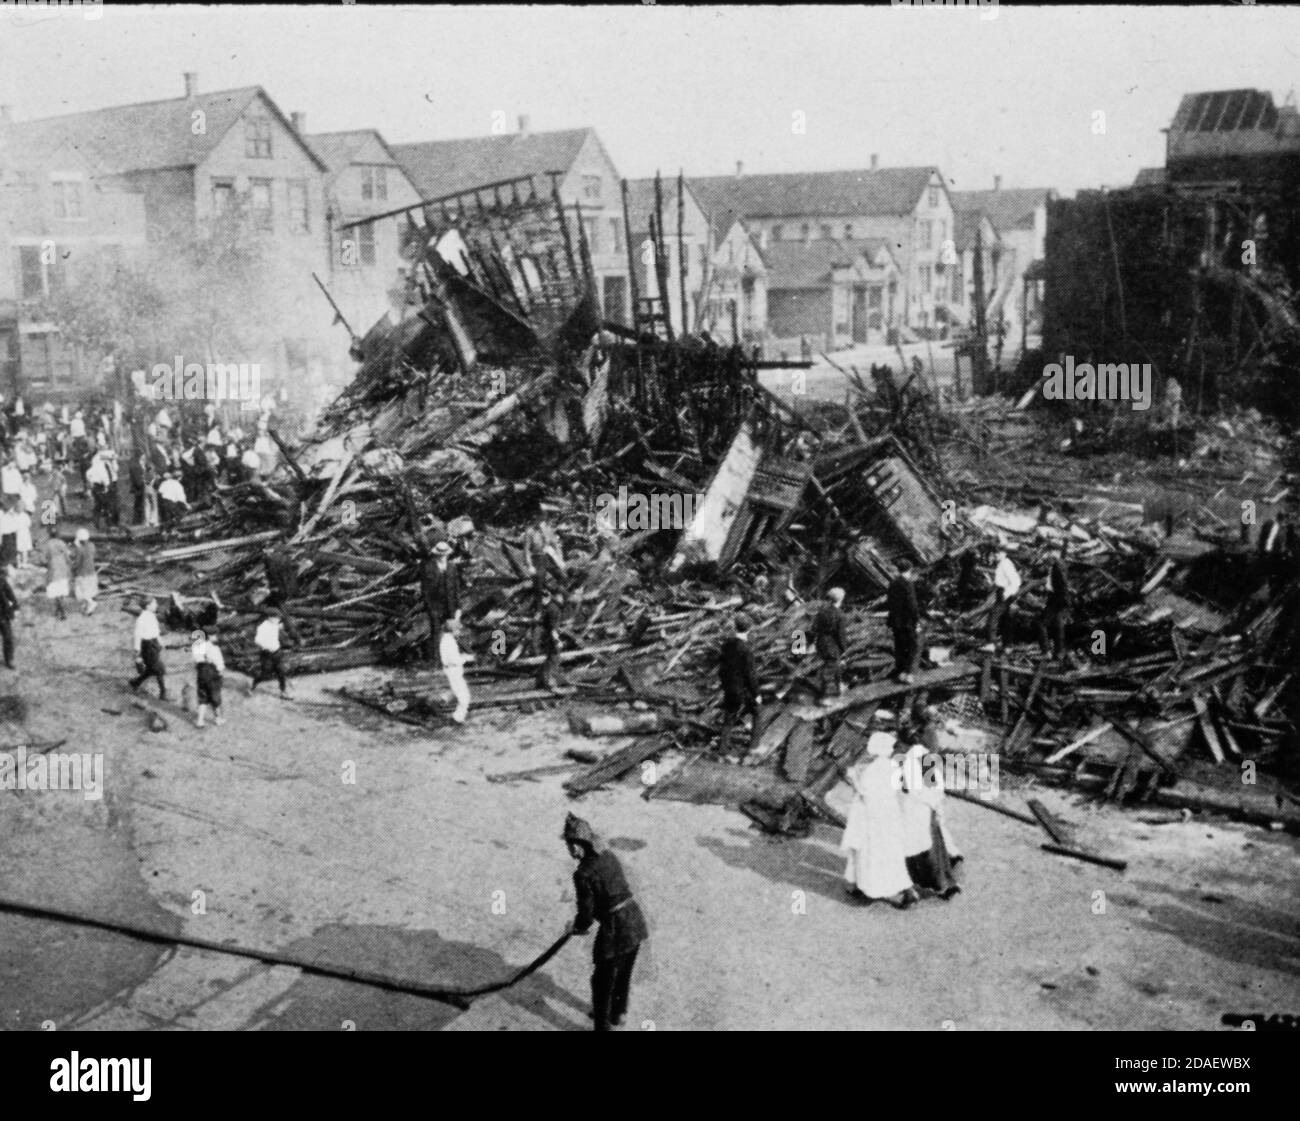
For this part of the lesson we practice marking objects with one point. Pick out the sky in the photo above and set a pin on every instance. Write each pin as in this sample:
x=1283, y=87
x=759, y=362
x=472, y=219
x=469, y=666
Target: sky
x=697, y=88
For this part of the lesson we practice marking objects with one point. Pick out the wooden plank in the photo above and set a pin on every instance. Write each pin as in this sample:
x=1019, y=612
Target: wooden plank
x=1090, y=857
x=1206, y=725
x=610, y=768
x=1093, y=733
x=798, y=752
x=879, y=690
x=772, y=736
x=1055, y=828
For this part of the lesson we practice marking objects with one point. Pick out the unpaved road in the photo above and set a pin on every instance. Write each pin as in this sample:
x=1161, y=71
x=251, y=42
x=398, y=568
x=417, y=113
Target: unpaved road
x=422, y=868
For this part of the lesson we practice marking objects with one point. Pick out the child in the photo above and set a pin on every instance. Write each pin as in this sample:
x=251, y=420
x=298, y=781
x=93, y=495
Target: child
x=209, y=666
x=58, y=573
x=85, y=580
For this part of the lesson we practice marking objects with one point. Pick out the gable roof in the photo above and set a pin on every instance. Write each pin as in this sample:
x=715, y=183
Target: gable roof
x=1150, y=177
x=1225, y=111
x=445, y=167
x=338, y=150
x=810, y=264
x=880, y=193
x=964, y=224
x=148, y=135
x=1008, y=208
x=641, y=203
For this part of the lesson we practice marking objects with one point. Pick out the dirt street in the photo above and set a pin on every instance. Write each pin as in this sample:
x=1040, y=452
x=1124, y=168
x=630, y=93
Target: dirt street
x=421, y=868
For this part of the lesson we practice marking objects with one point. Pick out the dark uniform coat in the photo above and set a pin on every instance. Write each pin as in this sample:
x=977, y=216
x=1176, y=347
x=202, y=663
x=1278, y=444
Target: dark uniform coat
x=736, y=672
x=904, y=613
x=441, y=590
x=604, y=897
x=830, y=632
x=1059, y=593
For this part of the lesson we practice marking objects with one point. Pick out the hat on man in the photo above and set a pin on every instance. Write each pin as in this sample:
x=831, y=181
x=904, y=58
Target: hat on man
x=578, y=831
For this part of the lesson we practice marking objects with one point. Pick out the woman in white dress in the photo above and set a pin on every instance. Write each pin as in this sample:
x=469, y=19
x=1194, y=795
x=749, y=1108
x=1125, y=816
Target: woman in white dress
x=873, y=830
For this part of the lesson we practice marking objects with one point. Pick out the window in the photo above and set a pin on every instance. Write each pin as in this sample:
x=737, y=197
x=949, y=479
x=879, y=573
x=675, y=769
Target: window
x=932, y=197
x=615, y=236
x=257, y=138
x=927, y=234
x=589, y=231
x=223, y=190
x=591, y=186
x=366, y=243
x=68, y=200
x=259, y=198
x=32, y=271
x=374, y=183
x=848, y=232
x=776, y=233
x=805, y=231
x=827, y=233
x=927, y=277
x=299, y=220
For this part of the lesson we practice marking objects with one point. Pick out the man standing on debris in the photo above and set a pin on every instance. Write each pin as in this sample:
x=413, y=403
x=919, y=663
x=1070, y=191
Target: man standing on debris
x=281, y=576
x=171, y=499
x=740, y=695
x=831, y=638
x=1056, y=612
x=1006, y=586
x=548, y=628
x=904, y=619
x=440, y=586
x=209, y=666
x=148, y=649
x=605, y=898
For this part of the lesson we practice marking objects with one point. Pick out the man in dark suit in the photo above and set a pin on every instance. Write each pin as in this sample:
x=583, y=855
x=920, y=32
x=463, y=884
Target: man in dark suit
x=904, y=618
x=8, y=609
x=440, y=586
x=605, y=898
x=1056, y=612
x=739, y=681
x=831, y=639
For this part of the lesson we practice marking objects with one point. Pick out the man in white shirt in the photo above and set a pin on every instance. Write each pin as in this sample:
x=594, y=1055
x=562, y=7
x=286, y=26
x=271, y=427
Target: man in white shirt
x=1006, y=586
x=100, y=481
x=148, y=649
x=251, y=463
x=270, y=657
x=77, y=426
x=209, y=665
x=171, y=499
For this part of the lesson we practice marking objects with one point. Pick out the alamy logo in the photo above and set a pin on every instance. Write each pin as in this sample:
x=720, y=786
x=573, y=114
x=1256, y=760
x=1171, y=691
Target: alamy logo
x=629, y=511
x=1107, y=381
x=130, y=1076
x=215, y=381
x=55, y=771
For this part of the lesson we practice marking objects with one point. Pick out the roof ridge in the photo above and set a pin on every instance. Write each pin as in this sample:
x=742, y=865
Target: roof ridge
x=128, y=105
x=493, y=136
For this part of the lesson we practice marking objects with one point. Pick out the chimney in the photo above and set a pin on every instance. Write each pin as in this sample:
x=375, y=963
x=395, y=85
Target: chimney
x=6, y=114
x=523, y=124
x=997, y=182
x=191, y=83
x=875, y=162
x=299, y=121
x=740, y=168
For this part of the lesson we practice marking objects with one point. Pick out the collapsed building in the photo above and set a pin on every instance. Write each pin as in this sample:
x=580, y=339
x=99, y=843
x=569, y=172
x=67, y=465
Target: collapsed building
x=506, y=398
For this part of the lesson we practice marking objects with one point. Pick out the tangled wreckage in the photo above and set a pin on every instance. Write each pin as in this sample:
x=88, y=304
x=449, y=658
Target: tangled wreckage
x=505, y=398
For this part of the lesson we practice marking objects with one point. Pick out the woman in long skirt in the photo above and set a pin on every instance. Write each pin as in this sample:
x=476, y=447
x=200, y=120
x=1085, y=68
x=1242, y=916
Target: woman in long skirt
x=928, y=862
x=873, y=830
